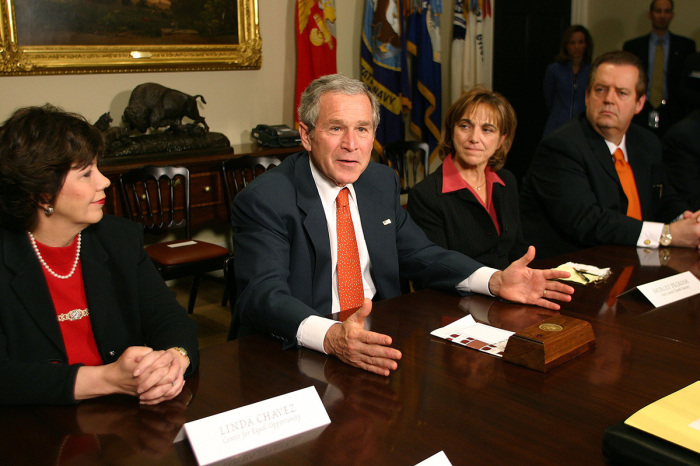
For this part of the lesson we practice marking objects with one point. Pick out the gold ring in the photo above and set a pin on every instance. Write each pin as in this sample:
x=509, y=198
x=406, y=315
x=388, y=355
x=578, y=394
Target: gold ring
x=544, y=293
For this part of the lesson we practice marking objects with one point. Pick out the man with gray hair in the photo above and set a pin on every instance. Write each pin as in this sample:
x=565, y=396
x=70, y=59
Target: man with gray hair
x=325, y=233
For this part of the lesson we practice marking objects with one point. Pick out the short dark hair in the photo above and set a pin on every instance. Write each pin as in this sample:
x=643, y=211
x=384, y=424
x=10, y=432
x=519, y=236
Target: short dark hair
x=38, y=147
x=651, y=5
x=619, y=57
x=563, y=55
x=506, y=121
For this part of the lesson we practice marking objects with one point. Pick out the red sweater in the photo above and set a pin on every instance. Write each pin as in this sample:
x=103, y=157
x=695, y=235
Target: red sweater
x=69, y=295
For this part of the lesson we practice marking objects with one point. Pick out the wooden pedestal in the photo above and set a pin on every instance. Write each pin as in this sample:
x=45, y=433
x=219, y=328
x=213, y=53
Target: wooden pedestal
x=550, y=343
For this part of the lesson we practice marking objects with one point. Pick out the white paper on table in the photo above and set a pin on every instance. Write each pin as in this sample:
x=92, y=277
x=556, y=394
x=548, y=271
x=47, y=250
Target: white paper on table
x=468, y=332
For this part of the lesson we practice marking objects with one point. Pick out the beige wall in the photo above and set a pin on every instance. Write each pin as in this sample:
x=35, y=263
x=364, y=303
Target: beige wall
x=238, y=100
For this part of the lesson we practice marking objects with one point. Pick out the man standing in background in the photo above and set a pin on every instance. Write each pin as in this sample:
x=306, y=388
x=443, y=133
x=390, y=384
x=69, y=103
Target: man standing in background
x=663, y=55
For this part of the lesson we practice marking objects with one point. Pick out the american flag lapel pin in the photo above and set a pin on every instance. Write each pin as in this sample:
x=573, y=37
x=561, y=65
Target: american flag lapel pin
x=386, y=222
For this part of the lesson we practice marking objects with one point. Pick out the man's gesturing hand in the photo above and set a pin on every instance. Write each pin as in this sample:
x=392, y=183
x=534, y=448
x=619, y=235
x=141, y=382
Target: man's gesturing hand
x=522, y=284
x=354, y=345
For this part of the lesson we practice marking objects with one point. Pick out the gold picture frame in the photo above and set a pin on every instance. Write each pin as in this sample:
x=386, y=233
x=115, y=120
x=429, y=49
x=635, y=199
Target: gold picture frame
x=16, y=59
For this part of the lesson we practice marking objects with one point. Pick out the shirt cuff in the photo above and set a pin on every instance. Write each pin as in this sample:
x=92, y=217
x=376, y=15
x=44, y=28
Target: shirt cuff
x=478, y=282
x=650, y=235
x=312, y=331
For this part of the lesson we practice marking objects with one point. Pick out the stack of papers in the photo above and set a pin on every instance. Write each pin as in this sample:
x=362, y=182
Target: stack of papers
x=582, y=273
x=468, y=332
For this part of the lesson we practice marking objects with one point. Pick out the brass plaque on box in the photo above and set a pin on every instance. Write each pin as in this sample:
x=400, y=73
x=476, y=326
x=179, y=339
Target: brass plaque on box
x=550, y=343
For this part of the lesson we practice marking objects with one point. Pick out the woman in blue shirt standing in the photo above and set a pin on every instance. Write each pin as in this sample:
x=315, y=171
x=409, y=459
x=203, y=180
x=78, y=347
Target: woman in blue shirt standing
x=566, y=79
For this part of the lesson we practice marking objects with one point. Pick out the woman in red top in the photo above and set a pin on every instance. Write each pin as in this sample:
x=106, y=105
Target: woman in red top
x=84, y=312
x=470, y=203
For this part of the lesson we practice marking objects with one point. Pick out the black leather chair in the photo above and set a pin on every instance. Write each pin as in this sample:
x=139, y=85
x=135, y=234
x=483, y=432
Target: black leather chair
x=159, y=198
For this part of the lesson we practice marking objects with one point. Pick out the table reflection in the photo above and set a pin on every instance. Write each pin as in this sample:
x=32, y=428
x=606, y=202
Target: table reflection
x=96, y=432
x=502, y=314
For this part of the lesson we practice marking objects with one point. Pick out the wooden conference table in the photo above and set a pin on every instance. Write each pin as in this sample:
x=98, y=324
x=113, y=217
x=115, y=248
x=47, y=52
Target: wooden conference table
x=476, y=408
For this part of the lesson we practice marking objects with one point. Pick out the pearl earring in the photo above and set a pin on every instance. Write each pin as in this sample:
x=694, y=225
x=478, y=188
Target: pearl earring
x=48, y=211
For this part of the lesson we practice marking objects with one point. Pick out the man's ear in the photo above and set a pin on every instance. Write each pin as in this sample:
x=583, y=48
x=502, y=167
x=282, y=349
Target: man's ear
x=640, y=104
x=305, y=136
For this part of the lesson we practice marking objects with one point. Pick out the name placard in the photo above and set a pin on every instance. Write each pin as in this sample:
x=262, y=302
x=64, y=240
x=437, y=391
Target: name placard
x=438, y=459
x=671, y=289
x=227, y=434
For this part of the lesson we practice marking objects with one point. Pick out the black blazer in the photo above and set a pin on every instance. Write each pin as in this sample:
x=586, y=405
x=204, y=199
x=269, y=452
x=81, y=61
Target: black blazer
x=690, y=87
x=572, y=197
x=679, y=49
x=282, y=249
x=129, y=305
x=458, y=221
x=681, y=146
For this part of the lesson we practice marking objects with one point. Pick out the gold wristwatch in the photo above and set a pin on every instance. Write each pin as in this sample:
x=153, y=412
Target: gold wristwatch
x=666, y=236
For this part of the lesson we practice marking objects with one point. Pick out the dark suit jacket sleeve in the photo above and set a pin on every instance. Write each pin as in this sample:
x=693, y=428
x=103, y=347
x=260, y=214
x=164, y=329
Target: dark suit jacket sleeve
x=129, y=304
x=422, y=261
x=690, y=85
x=565, y=176
x=511, y=193
x=640, y=47
x=164, y=323
x=681, y=148
x=282, y=251
x=572, y=185
x=27, y=382
x=262, y=248
x=132, y=305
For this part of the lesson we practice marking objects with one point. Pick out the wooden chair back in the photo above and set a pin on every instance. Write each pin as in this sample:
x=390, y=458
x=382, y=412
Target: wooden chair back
x=157, y=197
x=410, y=159
x=237, y=172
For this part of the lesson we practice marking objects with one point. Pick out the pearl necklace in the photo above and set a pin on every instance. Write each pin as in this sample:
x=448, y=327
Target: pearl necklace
x=43, y=262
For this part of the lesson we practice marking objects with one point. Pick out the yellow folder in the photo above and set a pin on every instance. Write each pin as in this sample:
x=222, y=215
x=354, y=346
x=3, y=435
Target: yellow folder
x=675, y=417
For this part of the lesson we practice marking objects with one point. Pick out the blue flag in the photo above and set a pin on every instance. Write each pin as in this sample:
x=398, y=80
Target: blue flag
x=383, y=66
x=423, y=42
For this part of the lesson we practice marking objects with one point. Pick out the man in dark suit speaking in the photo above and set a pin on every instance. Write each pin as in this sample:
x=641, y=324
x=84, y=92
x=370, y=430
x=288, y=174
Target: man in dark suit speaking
x=598, y=179
x=325, y=232
x=664, y=55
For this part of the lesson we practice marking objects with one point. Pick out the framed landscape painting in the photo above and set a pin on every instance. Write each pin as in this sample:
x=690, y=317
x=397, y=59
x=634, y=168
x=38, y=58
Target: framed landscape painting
x=107, y=36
